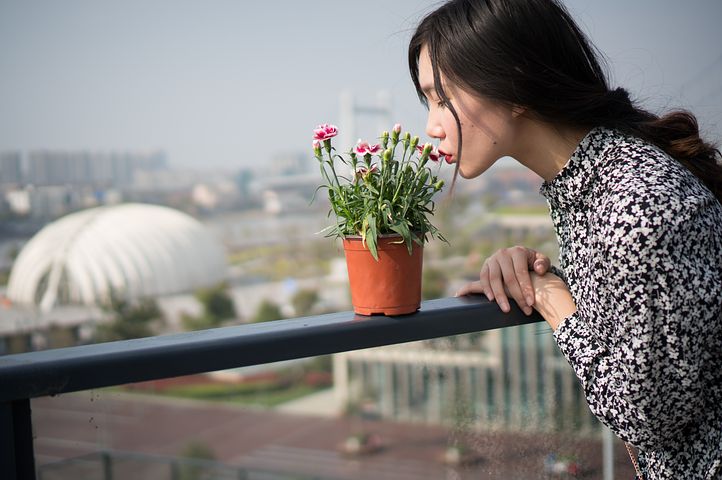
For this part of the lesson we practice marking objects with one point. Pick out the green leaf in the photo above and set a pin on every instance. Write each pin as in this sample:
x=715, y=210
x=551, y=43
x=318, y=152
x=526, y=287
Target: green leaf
x=403, y=229
x=372, y=240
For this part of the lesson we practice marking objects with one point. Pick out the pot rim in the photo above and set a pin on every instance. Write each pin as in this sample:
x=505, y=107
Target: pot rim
x=382, y=235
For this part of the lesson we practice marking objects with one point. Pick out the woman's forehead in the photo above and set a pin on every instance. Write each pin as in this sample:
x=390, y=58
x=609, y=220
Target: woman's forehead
x=426, y=73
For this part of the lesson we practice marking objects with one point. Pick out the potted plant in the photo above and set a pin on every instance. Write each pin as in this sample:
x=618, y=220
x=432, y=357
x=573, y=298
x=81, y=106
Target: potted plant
x=361, y=443
x=565, y=466
x=381, y=196
x=457, y=455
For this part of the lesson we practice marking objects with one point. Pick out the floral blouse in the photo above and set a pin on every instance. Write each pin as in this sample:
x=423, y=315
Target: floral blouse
x=640, y=241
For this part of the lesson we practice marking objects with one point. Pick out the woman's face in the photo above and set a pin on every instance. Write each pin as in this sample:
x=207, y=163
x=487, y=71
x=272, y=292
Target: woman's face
x=488, y=128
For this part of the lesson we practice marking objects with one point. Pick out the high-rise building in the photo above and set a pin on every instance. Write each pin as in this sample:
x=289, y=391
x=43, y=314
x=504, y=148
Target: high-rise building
x=509, y=379
x=57, y=167
x=10, y=168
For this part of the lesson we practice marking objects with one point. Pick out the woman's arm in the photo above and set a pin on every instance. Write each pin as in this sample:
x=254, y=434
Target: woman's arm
x=648, y=375
x=554, y=302
x=552, y=298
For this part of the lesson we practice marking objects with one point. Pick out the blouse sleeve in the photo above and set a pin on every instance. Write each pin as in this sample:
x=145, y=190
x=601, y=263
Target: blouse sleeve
x=661, y=296
x=559, y=273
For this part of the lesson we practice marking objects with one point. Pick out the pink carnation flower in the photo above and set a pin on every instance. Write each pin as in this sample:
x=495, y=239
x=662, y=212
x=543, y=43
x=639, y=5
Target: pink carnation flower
x=433, y=154
x=363, y=172
x=324, y=132
x=366, y=171
x=363, y=148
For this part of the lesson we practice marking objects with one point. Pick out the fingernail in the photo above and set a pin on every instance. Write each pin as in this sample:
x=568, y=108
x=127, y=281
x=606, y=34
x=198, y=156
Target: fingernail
x=505, y=306
x=529, y=300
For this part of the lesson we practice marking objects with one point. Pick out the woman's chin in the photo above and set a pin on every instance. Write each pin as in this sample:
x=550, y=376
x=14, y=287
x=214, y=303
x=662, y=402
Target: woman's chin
x=469, y=175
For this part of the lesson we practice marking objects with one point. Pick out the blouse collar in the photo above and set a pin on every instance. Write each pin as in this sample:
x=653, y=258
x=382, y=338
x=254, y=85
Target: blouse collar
x=574, y=181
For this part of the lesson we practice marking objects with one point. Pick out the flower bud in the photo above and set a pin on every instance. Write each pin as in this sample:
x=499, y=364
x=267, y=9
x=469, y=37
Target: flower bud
x=414, y=142
x=317, y=148
x=385, y=139
x=439, y=185
x=426, y=151
x=388, y=153
x=354, y=159
x=395, y=132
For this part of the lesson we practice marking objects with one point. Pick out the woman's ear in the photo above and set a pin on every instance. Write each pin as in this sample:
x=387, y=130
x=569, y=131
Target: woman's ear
x=517, y=111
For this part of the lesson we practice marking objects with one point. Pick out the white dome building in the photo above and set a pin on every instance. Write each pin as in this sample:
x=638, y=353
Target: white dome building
x=135, y=250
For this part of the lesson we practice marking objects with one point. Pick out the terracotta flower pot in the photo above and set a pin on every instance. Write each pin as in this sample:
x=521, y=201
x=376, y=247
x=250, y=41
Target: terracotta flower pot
x=389, y=286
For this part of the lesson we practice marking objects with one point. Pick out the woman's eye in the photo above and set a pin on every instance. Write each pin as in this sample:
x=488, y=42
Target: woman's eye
x=440, y=104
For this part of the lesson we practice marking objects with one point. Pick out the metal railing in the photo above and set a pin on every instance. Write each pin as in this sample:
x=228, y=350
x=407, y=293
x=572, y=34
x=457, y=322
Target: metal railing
x=51, y=372
x=104, y=465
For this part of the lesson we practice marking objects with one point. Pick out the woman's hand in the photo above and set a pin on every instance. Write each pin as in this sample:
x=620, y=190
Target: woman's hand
x=507, y=273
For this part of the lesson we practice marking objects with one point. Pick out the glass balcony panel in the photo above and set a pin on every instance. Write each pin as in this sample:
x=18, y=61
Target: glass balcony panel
x=498, y=404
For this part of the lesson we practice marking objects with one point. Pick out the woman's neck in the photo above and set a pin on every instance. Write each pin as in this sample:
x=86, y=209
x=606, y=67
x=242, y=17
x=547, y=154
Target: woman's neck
x=546, y=148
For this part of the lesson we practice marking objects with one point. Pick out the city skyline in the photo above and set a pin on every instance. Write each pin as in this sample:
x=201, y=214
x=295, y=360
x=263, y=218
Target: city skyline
x=229, y=86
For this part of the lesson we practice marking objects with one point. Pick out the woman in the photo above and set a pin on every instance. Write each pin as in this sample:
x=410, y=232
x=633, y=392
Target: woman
x=636, y=305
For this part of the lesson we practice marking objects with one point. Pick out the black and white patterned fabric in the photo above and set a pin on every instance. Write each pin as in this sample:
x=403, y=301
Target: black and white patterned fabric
x=640, y=241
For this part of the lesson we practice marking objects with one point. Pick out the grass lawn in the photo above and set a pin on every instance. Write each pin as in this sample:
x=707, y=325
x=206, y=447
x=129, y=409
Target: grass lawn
x=523, y=210
x=257, y=394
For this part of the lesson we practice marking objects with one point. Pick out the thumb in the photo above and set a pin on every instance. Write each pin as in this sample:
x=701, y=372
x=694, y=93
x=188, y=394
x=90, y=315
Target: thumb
x=542, y=264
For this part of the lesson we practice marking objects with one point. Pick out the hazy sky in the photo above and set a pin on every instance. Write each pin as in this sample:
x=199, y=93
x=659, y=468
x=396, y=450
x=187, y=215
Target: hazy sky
x=230, y=82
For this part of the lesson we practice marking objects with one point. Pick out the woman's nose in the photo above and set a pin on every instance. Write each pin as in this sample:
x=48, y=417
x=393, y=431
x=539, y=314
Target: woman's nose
x=434, y=129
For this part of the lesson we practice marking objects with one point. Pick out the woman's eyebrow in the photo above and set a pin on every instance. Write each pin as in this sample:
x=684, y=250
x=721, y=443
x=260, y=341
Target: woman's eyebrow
x=427, y=88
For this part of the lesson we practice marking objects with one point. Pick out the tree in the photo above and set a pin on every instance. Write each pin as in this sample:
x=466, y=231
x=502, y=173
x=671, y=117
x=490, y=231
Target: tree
x=128, y=319
x=434, y=283
x=267, y=312
x=216, y=302
x=303, y=301
x=201, y=322
x=217, y=307
x=194, y=451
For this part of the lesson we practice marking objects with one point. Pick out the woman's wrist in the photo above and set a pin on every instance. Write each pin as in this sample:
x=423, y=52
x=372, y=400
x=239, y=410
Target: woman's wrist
x=552, y=298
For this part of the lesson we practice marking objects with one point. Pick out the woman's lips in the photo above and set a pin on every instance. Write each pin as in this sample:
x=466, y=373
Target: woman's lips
x=449, y=158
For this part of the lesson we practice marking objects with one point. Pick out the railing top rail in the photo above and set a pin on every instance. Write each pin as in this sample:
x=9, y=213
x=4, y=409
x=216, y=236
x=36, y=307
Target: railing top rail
x=62, y=370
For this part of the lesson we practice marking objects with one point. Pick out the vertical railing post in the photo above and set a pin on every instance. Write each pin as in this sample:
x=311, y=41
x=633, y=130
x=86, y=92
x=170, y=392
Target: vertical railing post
x=608, y=453
x=7, y=441
x=174, y=470
x=107, y=465
x=17, y=460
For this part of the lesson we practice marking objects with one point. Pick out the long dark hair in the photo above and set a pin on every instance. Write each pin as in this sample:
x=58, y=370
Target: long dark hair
x=532, y=54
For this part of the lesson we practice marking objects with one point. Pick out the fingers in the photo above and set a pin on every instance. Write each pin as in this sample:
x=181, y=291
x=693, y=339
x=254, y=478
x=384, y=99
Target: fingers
x=515, y=274
x=473, y=287
x=480, y=286
x=496, y=282
x=484, y=282
x=506, y=274
x=522, y=289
